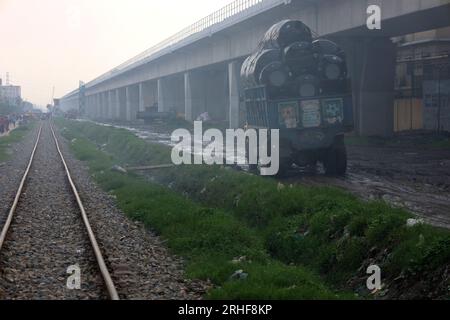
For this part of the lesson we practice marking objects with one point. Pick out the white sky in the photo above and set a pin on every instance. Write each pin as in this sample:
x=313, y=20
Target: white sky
x=46, y=43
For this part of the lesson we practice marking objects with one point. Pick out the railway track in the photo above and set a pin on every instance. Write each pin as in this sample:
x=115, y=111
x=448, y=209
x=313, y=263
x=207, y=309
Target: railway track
x=56, y=246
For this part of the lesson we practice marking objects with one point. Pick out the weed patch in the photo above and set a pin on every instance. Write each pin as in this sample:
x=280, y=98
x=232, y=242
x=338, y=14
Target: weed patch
x=15, y=136
x=212, y=214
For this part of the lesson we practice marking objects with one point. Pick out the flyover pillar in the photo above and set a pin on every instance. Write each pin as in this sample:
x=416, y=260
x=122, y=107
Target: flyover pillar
x=93, y=106
x=106, y=103
x=89, y=106
x=233, y=85
x=116, y=105
x=127, y=104
x=187, y=97
x=371, y=64
x=98, y=106
x=141, y=97
x=161, y=97
x=110, y=105
x=101, y=105
x=104, y=106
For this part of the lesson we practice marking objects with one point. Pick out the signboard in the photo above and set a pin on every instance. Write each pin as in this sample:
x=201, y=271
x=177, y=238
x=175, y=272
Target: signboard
x=333, y=110
x=287, y=114
x=310, y=110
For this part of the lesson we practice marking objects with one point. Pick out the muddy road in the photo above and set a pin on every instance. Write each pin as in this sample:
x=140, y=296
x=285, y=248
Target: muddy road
x=414, y=177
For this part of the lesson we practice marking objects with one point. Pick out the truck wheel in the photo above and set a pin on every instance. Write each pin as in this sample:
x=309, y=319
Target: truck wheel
x=336, y=158
x=285, y=166
x=283, y=170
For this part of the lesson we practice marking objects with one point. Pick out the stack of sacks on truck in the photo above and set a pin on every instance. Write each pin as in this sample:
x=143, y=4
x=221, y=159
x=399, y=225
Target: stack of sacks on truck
x=290, y=63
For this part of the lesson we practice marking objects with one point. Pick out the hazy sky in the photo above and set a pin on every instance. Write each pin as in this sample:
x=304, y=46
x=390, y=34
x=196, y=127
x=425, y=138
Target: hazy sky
x=46, y=43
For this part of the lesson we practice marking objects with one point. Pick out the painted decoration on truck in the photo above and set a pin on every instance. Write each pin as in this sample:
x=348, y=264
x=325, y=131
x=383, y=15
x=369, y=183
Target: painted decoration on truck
x=310, y=113
x=287, y=114
x=333, y=110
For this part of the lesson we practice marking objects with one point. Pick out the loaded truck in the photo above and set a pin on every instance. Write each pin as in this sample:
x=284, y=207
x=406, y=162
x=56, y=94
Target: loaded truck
x=300, y=86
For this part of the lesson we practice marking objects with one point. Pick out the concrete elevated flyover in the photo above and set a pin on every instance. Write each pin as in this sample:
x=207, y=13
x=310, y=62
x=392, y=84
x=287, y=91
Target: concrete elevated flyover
x=197, y=69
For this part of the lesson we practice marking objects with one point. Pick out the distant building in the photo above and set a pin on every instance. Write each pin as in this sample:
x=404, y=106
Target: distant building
x=10, y=94
x=423, y=81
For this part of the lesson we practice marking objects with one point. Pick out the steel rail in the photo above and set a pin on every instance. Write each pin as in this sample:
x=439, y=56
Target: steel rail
x=19, y=192
x=98, y=254
x=112, y=292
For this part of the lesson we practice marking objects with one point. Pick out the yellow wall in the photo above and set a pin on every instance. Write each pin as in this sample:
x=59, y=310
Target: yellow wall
x=408, y=114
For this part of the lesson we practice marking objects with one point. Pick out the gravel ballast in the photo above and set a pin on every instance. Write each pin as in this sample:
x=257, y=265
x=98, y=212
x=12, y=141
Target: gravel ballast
x=47, y=236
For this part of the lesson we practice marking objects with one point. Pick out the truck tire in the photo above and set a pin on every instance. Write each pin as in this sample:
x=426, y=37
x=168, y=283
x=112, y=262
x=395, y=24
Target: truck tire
x=283, y=171
x=335, y=161
x=285, y=166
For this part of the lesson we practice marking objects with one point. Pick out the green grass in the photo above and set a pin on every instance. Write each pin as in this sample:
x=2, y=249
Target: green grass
x=14, y=136
x=208, y=238
x=302, y=242
x=441, y=143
